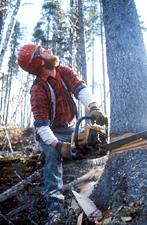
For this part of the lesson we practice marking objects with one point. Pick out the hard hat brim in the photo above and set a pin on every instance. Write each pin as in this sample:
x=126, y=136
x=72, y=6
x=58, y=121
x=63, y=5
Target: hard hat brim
x=39, y=44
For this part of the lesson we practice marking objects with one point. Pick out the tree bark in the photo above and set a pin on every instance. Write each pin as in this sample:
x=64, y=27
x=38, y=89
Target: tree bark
x=126, y=61
x=82, y=40
x=123, y=182
x=71, y=35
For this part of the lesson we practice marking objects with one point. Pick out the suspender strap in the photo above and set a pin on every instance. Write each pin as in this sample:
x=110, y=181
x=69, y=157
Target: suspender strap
x=52, y=104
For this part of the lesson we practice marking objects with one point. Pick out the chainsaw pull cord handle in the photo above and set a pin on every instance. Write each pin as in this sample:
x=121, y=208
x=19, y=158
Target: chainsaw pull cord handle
x=77, y=129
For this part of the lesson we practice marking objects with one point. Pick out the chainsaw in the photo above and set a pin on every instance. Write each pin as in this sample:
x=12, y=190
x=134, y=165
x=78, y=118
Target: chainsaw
x=92, y=141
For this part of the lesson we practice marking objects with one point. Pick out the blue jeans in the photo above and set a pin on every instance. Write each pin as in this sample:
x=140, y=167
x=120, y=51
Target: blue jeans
x=53, y=174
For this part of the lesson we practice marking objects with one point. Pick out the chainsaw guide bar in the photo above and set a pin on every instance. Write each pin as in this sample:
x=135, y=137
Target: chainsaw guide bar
x=92, y=142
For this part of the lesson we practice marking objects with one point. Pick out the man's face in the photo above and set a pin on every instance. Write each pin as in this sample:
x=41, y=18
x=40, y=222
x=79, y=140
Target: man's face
x=50, y=61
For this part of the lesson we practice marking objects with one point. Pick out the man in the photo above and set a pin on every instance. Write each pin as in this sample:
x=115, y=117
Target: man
x=54, y=112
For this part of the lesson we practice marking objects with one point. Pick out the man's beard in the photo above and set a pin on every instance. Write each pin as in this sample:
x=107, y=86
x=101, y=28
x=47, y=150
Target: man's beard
x=51, y=63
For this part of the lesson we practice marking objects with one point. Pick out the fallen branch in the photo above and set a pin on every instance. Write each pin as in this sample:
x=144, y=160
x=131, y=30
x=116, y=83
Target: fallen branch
x=21, y=185
x=36, y=175
x=18, y=210
x=6, y=219
x=80, y=179
x=65, y=188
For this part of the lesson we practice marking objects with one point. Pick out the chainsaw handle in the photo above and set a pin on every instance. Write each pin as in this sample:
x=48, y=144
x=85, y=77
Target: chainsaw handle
x=77, y=129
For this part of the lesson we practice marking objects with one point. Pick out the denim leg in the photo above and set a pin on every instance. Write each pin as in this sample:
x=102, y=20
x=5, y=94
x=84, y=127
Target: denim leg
x=53, y=174
x=52, y=179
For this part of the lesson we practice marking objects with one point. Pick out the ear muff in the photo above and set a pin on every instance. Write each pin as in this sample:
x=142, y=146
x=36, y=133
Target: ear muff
x=35, y=66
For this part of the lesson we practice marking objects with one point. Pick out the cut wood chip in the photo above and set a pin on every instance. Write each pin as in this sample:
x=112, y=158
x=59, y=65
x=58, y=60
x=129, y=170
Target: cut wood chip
x=89, y=207
x=79, y=220
x=107, y=220
x=125, y=219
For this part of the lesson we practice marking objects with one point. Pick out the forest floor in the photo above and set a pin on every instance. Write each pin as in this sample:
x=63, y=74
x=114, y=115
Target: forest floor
x=27, y=206
x=21, y=201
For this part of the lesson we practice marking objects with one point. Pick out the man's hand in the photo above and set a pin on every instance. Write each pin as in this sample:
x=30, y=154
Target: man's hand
x=64, y=149
x=99, y=116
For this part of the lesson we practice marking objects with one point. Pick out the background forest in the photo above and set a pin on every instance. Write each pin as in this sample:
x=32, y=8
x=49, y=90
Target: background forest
x=73, y=30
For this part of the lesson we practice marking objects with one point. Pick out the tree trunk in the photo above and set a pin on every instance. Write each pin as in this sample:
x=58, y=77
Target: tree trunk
x=8, y=98
x=5, y=98
x=9, y=32
x=103, y=63
x=82, y=40
x=122, y=187
x=82, y=46
x=126, y=61
x=3, y=12
x=92, y=37
x=71, y=35
x=2, y=94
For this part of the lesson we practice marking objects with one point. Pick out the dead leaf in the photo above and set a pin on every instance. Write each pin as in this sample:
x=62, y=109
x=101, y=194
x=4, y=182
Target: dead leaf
x=135, y=204
x=96, y=222
x=106, y=213
x=142, y=200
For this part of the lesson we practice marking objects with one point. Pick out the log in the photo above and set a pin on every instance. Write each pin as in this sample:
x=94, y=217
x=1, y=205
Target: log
x=21, y=185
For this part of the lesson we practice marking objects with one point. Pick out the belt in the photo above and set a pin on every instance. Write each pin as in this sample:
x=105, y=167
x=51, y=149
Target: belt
x=65, y=125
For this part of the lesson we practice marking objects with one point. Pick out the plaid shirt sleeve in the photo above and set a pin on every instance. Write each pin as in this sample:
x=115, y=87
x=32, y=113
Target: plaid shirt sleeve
x=71, y=78
x=39, y=103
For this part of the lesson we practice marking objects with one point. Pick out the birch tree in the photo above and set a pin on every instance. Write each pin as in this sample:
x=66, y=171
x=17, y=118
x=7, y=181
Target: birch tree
x=9, y=31
x=3, y=12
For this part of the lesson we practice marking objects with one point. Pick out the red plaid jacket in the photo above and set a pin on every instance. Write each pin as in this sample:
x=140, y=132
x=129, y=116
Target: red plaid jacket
x=40, y=101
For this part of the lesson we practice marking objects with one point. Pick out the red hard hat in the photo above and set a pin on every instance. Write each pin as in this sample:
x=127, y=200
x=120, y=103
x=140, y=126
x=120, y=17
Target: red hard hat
x=26, y=61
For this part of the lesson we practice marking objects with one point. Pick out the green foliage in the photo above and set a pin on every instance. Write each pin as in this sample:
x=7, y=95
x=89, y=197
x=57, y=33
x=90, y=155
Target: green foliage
x=92, y=19
x=52, y=29
x=39, y=33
